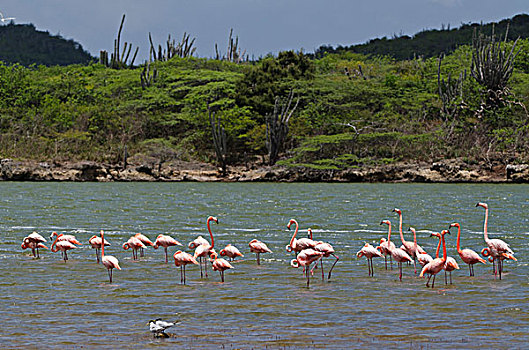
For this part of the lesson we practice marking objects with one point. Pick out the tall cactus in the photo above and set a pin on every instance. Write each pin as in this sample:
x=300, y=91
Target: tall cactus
x=118, y=60
x=492, y=66
x=277, y=126
x=183, y=49
x=219, y=139
x=450, y=93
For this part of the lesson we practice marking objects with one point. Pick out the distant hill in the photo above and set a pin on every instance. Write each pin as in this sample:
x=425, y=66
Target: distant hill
x=24, y=44
x=431, y=43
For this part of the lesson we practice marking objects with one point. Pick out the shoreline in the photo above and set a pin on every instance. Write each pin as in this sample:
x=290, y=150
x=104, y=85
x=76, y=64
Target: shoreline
x=446, y=171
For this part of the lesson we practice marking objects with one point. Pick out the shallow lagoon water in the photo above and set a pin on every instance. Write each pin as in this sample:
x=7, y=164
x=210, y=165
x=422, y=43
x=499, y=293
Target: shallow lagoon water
x=51, y=304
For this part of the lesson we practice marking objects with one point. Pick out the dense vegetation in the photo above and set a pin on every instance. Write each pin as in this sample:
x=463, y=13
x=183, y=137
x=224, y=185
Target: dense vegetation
x=353, y=110
x=432, y=42
x=23, y=44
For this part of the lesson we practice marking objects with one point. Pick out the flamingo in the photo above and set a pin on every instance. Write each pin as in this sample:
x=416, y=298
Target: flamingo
x=204, y=250
x=305, y=258
x=32, y=245
x=258, y=247
x=409, y=247
x=219, y=264
x=369, y=252
x=450, y=264
x=468, y=256
x=145, y=240
x=181, y=259
x=422, y=258
x=198, y=241
x=63, y=246
x=497, y=247
x=108, y=261
x=398, y=254
x=165, y=241
x=386, y=246
x=437, y=264
x=297, y=245
x=327, y=250
x=231, y=252
x=135, y=244
x=32, y=241
x=486, y=253
x=63, y=237
x=95, y=243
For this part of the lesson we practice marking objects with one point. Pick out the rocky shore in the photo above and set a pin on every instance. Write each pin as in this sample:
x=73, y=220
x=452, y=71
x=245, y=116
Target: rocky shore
x=444, y=171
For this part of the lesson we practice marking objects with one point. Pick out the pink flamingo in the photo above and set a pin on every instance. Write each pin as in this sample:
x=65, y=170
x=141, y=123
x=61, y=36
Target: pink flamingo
x=165, y=241
x=258, y=247
x=135, y=244
x=181, y=259
x=369, y=252
x=145, y=240
x=95, y=242
x=409, y=247
x=305, y=258
x=327, y=251
x=398, y=254
x=108, y=261
x=204, y=250
x=63, y=246
x=450, y=264
x=298, y=245
x=63, y=237
x=32, y=241
x=437, y=264
x=197, y=241
x=231, y=252
x=422, y=258
x=219, y=264
x=497, y=247
x=32, y=245
x=468, y=256
x=386, y=246
x=486, y=253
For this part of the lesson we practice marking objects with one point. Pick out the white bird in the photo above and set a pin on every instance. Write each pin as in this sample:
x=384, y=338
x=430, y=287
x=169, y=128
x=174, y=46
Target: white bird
x=5, y=19
x=159, y=326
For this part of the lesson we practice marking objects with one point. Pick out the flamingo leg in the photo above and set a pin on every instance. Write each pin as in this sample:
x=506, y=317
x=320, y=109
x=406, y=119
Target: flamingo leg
x=391, y=262
x=470, y=269
x=415, y=264
x=428, y=281
x=165, y=248
x=65, y=256
x=258, y=259
x=400, y=271
x=206, y=266
x=445, y=278
x=322, y=274
x=222, y=276
x=200, y=264
x=38, y=256
x=433, y=282
x=337, y=258
x=386, y=261
x=142, y=254
x=500, y=267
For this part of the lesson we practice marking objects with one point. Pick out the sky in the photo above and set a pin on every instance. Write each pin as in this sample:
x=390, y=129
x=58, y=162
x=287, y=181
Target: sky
x=262, y=26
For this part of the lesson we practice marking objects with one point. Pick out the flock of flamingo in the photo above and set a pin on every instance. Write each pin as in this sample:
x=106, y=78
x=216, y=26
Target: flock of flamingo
x=307, y=250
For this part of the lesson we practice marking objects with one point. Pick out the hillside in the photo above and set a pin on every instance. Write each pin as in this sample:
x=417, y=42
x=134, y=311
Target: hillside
x=25, y=45
x=433, y=42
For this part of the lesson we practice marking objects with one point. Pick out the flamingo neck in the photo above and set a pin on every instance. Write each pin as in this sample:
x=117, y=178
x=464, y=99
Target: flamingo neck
x=485, y=224
x=310, y=233
x=458, y=238
x=389, y=233
x=444, y=247
x=53, y=247
x=103, y=244
x=400, y=229
x=438, y=248
x=209, y=229
x=414, y=240
x=295, y=233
